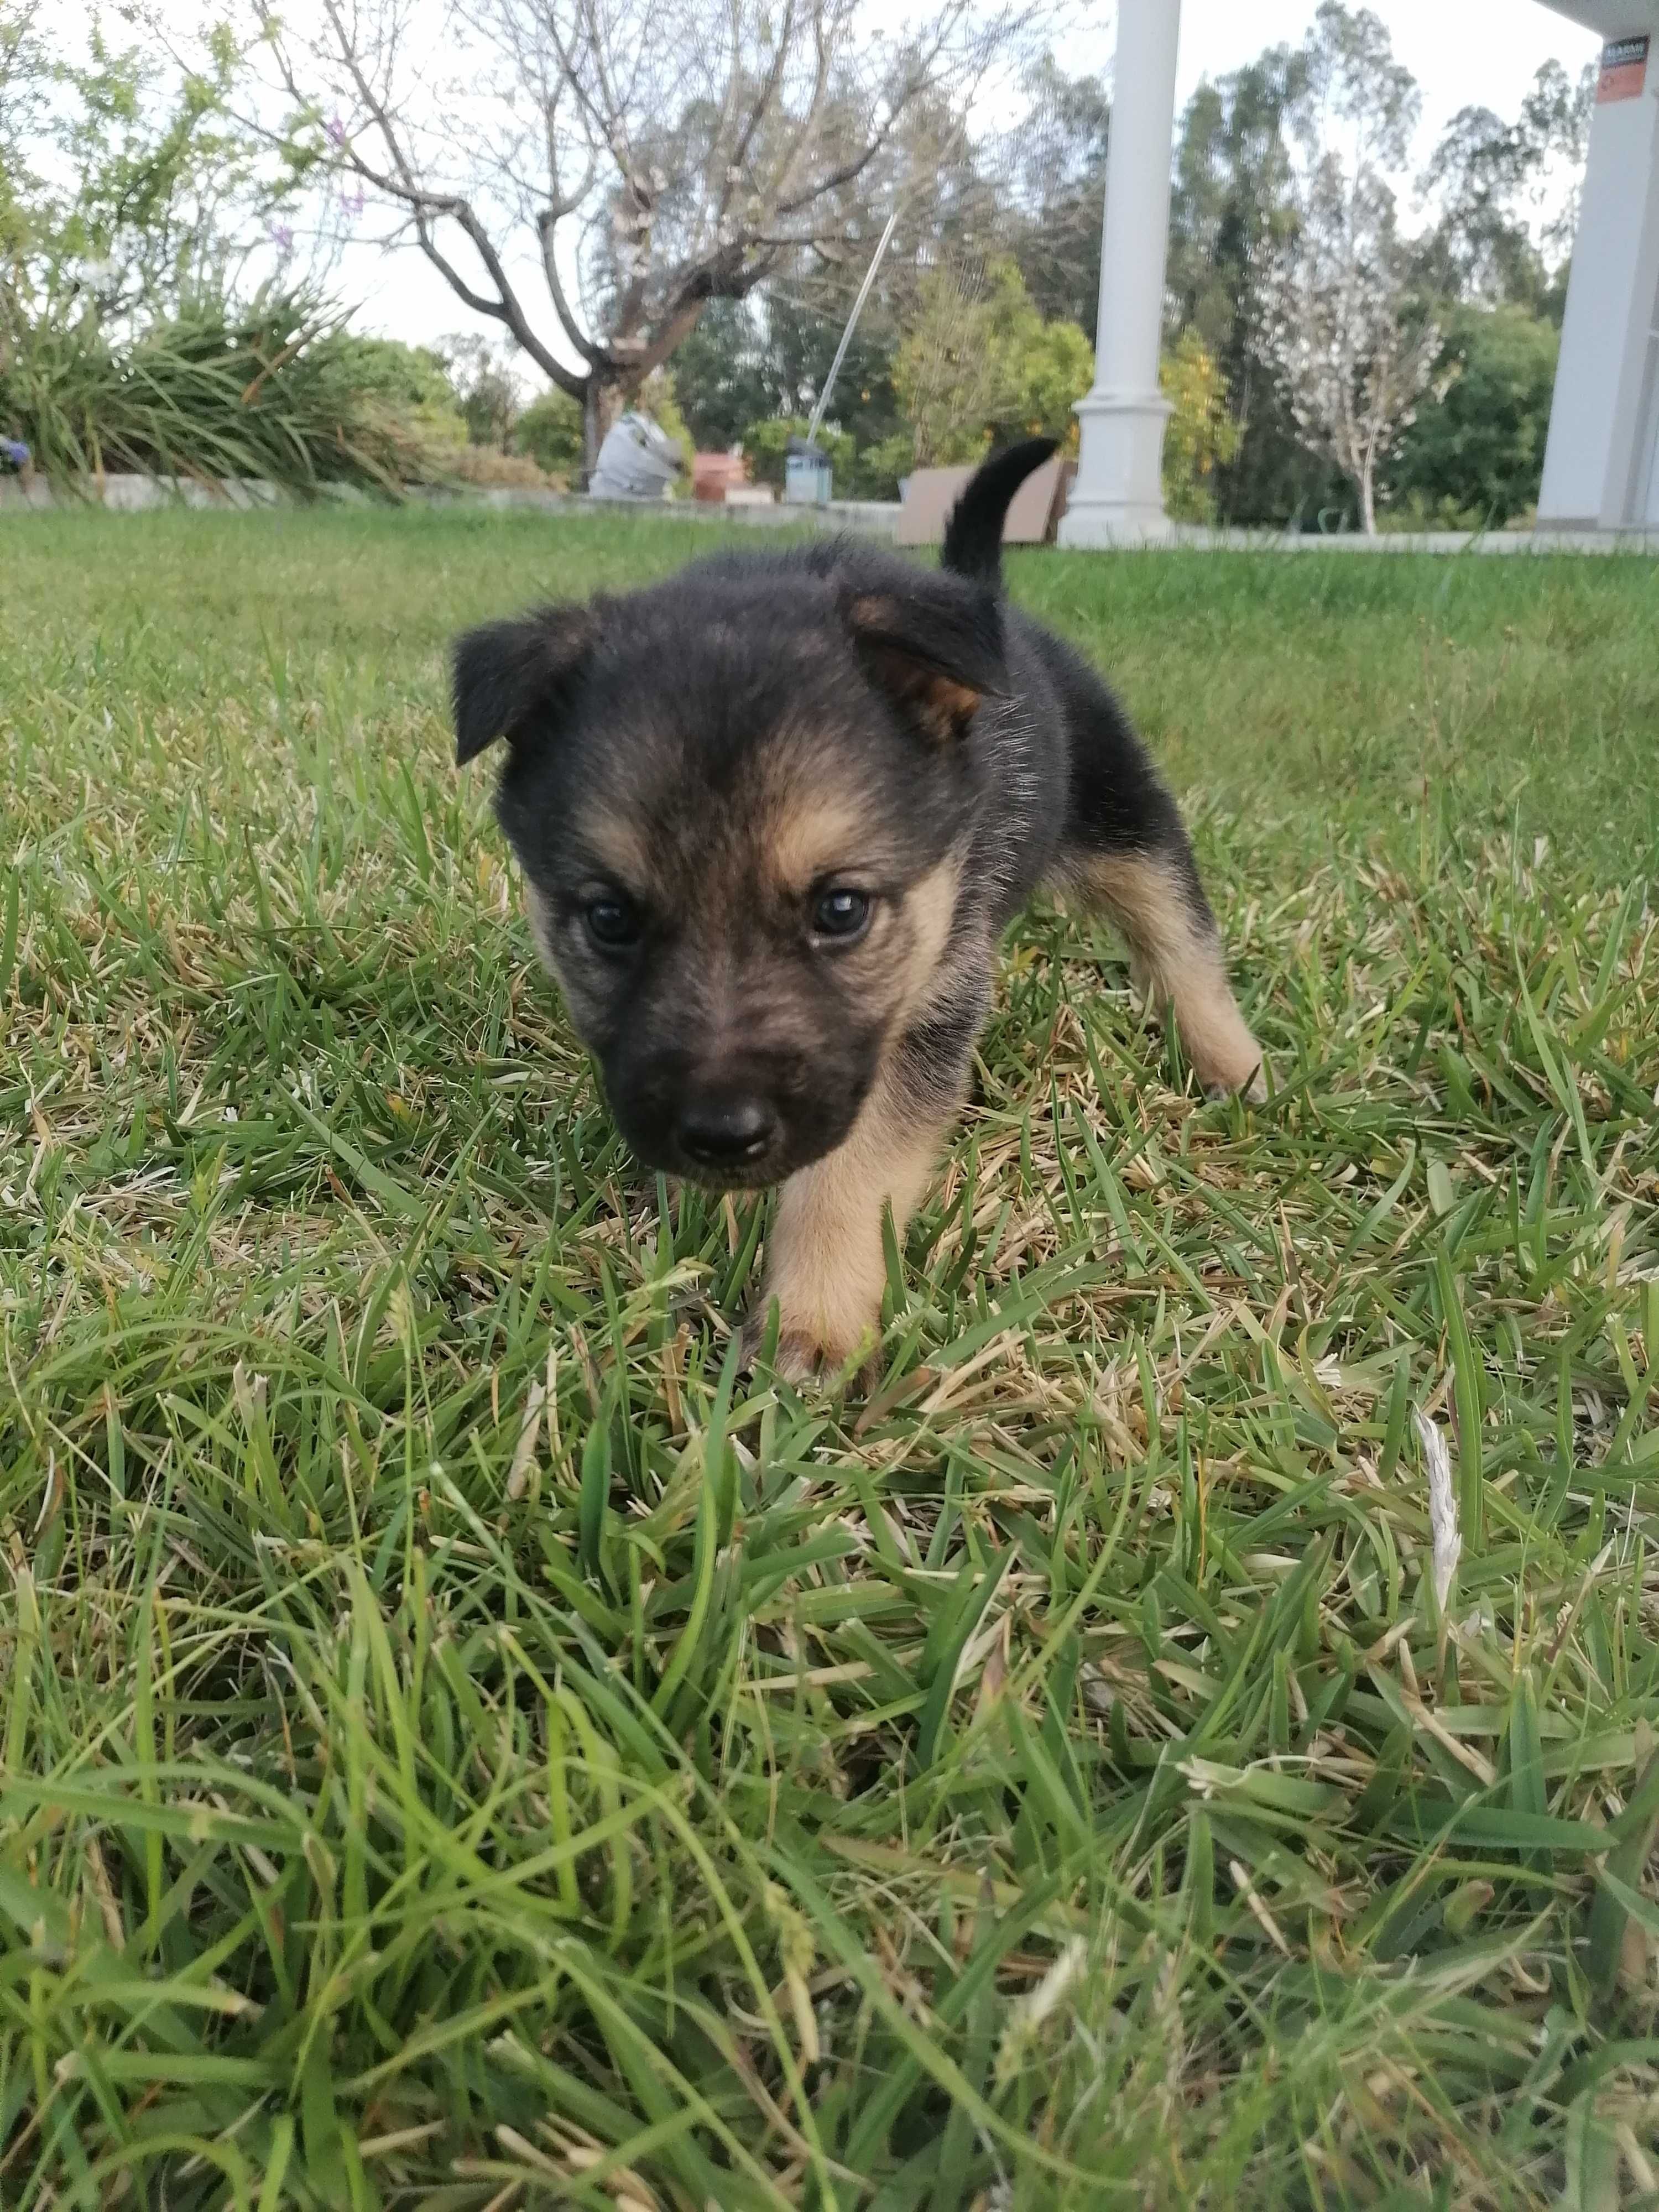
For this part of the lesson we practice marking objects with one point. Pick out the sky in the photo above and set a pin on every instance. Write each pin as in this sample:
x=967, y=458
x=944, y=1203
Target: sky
x=1463, y=53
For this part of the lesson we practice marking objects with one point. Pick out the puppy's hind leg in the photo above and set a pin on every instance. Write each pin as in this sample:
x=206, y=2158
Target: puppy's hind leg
x=1156, y=899
x=1124, y=850
x=1153, y=895
x=1126, y=853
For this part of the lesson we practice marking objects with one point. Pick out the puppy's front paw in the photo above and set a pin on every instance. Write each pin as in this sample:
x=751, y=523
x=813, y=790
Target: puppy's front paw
x=804, y=1357
x=1244, y=1078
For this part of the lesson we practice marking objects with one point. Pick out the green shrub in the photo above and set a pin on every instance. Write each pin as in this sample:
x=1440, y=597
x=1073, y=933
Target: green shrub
x=766, y=446
x=869, y=471
x=979, y=368
x=276, y=391
x=1201, y=436
x=411, y=382
x=550, y=433
x=878, y=467
x=1475, y=455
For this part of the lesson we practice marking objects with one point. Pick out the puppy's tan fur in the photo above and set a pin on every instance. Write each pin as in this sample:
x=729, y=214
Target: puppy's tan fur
x=812, y=832
x=1174, y=962
x=824, y=1266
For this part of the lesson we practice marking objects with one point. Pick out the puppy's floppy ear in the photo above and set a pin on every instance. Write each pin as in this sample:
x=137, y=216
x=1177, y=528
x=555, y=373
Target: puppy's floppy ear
x=512, y=678
x=933, y=647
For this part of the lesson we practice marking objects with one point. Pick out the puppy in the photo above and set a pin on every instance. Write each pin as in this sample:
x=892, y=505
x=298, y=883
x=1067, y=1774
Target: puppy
x=774, y=816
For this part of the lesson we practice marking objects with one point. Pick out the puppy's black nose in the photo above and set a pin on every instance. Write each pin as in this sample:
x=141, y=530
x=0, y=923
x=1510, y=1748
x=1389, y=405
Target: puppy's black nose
x=725, y=1130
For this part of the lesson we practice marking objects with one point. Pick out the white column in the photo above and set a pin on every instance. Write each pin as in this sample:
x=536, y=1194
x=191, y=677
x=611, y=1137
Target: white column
x=1598, y=465
x=1118, y=495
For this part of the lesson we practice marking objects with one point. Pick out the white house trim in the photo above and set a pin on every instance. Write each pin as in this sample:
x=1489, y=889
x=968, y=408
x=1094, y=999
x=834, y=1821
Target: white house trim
x=1601, y=465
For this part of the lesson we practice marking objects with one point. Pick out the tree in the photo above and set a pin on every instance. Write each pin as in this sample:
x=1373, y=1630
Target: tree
x=953, y=378
x=1283, y=189
x=126, y=188
x=1054, y=168
x=1491, y=180
x=648, y=158
x=1477, y=455
x=1556, y=116
x=1233, y=217
x=1357, y=349
x=724, y=373
x=26, y=77
x=980, y=366
x=1355, y=341
x=488, y=391
x=764, y=358
x=1481, y=246
x=1201, y=436
x=803, y=323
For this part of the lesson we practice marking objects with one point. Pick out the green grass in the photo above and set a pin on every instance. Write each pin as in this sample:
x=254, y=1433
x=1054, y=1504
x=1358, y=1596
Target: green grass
x=464, y=1748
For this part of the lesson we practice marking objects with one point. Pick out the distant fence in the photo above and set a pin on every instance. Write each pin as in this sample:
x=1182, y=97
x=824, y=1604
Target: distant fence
x=131, y=494
x=135, y=494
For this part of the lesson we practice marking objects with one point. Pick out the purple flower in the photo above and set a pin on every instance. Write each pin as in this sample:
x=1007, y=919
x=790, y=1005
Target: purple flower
x=337, y=132
x=282, y=238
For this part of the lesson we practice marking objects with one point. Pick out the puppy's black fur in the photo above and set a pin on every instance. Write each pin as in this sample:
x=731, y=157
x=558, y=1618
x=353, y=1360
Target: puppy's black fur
x=774, y=815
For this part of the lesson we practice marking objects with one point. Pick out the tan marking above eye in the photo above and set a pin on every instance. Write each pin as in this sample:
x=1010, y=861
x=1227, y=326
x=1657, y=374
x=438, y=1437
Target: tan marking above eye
x=813, y=836
x=620, y=846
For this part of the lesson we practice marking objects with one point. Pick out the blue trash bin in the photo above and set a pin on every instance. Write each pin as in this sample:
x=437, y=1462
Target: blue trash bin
x=807, y=478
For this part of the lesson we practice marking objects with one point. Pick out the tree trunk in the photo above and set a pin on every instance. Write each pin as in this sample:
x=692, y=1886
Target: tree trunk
x=590, y=432
x=602, y=403
x=1367, y=500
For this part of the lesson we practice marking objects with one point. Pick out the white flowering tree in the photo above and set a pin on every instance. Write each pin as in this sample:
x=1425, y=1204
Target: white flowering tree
x=590, y=174
x=1352, y=328
x=1354, y=339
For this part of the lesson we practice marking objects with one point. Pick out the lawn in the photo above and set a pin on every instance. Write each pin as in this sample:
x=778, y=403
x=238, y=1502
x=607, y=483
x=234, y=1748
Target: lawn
x=466, y=1747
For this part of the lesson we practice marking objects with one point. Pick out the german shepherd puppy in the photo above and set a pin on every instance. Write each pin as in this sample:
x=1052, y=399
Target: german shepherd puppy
x=774, y=816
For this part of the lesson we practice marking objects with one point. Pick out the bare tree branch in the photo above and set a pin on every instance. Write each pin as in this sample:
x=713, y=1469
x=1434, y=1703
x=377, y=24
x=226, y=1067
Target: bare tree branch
x=642, y=156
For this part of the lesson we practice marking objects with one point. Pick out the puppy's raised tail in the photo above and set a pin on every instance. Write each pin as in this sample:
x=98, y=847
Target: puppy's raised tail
x=973, y=536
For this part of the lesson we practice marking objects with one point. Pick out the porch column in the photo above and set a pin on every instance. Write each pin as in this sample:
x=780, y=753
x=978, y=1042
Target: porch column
x=1601, y=463
x=1118, y=493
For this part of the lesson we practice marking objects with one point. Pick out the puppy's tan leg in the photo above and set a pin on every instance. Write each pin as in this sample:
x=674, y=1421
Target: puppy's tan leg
x=824, y=1264
x=1175, y=959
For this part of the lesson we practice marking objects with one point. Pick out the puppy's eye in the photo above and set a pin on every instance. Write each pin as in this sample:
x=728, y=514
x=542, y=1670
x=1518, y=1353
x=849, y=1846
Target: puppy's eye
x=841, y=915
x=613, y=923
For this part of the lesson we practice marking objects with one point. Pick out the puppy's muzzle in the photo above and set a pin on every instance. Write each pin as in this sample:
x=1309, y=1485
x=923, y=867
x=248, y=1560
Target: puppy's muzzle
x=726, y=1131
x=733, y=1121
